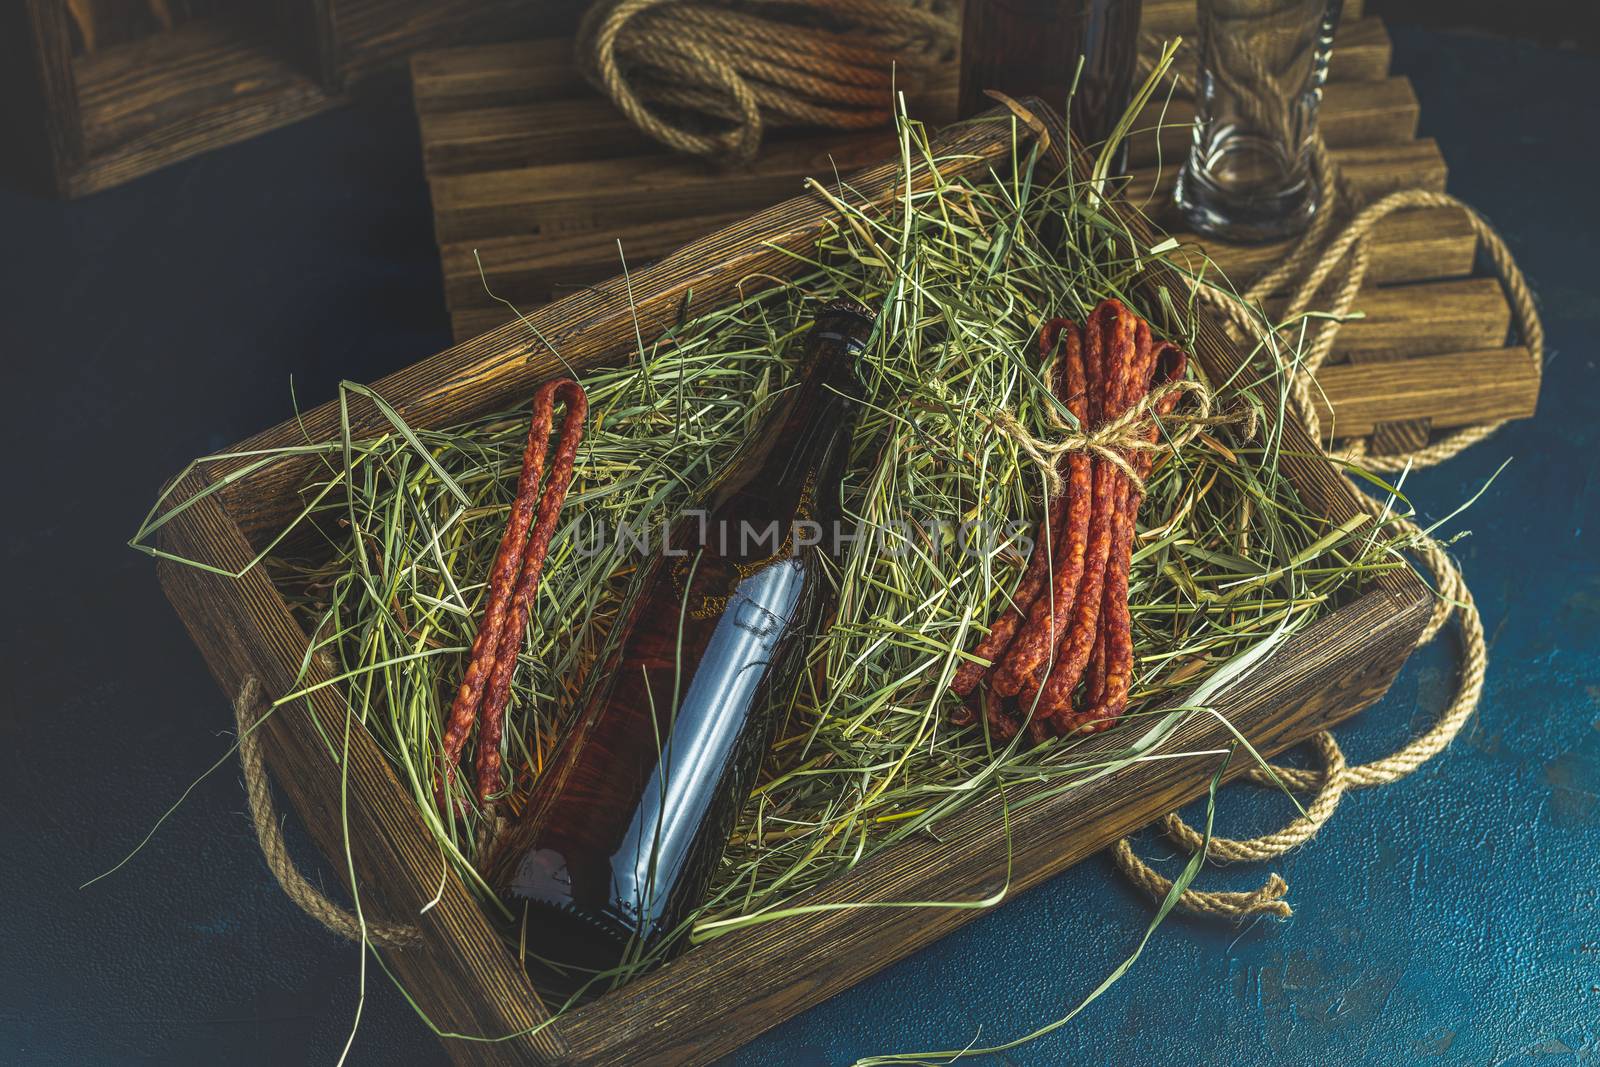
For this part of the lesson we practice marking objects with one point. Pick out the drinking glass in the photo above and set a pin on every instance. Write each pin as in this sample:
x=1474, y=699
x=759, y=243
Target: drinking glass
x=1249, y=175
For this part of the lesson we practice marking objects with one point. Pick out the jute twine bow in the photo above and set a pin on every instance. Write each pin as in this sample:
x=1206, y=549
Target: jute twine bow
x=706, y=77
x=1343, y=259
x=1117, y=440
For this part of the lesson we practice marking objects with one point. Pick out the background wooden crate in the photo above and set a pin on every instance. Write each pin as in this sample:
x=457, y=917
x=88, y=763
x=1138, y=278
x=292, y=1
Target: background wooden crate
x=720, y=994
x=548, y=186
x=101, y=91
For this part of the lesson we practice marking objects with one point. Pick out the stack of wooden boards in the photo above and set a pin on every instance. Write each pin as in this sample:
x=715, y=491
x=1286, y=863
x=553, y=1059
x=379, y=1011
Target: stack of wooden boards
x=548, y=187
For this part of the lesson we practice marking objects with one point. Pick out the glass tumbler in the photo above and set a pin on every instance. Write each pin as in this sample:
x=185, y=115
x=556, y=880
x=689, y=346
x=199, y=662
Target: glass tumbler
x=1249, y=175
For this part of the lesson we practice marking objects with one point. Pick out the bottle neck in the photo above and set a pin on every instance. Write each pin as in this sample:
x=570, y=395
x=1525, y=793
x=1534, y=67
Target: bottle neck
x=809, y=437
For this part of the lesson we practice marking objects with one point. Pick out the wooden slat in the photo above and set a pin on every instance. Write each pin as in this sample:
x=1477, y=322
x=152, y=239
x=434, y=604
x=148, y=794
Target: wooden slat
x=489, y=75
x=570, y=197
x=507, y=130
x=1463, y=315
x=587, y=128
x=374, y=34
x=462, y=140
x=526, y=72
x=564, y=197
x=1392, y=436
x=1449, y=390
x=513, y=135
x=1408, y=246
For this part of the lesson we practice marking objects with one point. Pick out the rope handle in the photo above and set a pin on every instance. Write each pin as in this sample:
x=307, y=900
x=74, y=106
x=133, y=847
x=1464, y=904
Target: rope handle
x=269, y=833
x=1336, y=777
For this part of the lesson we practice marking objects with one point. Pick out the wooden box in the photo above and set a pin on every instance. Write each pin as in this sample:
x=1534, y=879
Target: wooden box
x=105, y=90
x=719, y=994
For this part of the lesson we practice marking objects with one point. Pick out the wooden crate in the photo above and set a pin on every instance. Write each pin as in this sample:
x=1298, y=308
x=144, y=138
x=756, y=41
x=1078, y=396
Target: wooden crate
x=101, y=91
x=547, y=186
x=719, y=994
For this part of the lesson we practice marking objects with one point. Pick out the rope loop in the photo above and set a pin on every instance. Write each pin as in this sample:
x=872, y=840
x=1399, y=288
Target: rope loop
x=269, y=833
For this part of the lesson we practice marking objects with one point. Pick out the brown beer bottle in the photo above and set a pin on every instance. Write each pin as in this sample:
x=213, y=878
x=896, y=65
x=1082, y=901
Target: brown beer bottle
x=1031, y=47
x=626, y=826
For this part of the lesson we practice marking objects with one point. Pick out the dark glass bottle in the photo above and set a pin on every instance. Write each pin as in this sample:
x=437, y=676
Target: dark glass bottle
x=626, y=826
x=1031, y=47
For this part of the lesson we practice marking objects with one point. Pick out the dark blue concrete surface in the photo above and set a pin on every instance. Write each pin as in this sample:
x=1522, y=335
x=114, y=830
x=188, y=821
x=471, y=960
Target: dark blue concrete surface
x=1453, y=918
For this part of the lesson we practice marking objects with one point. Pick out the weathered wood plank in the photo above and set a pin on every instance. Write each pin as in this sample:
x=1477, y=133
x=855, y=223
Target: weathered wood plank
x=1392, y=436
x=587, y=128
x=525, y=72
x=519, y=135
x=1449, y=390
x=494, y=75
x=524, y=104
x=569, y=197
x=1408, y=246
x=376, y=34
x=168, y=89
x=1463, y=315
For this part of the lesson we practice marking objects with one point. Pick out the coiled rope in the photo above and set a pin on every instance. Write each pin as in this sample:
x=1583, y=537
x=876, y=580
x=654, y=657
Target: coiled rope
x=708, y=78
